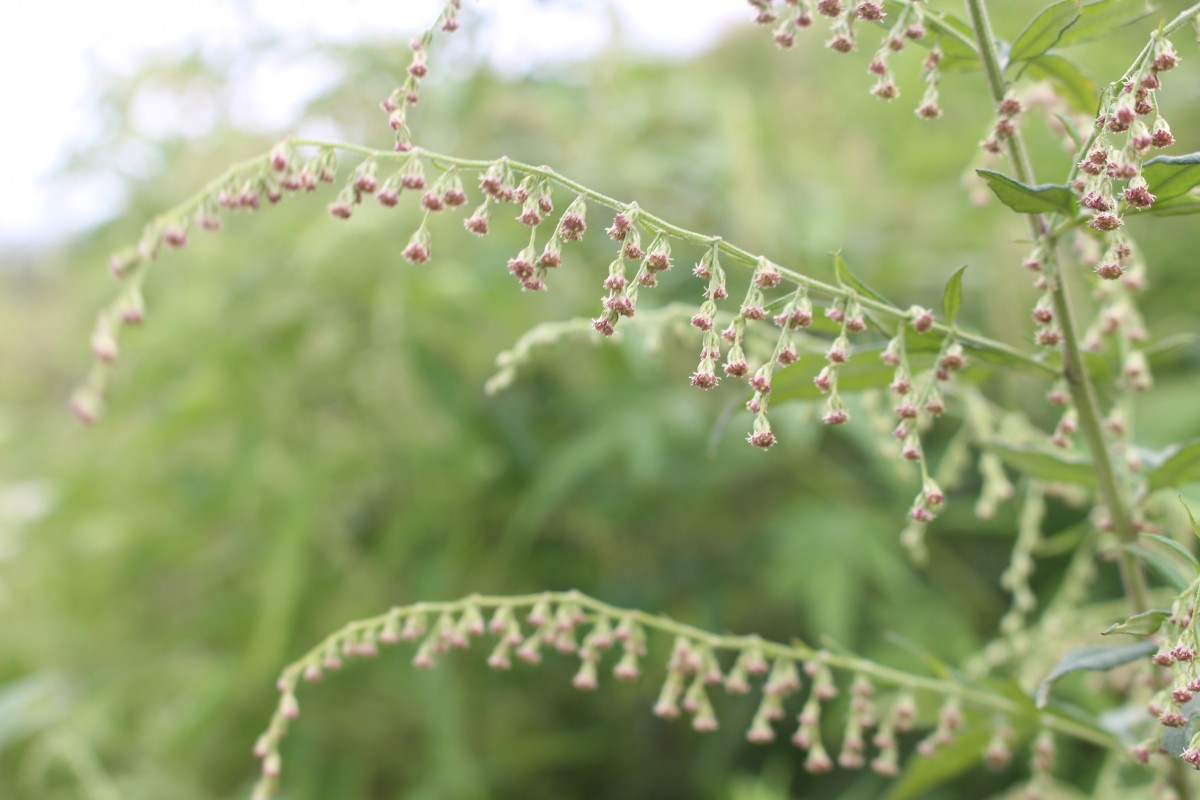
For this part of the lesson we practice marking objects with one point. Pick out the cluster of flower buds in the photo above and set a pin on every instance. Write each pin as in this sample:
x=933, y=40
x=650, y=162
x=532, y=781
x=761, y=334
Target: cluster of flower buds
x=705, y=376
x=621, y=300
x=950, y=721
x=1005, y=125
x=920, y=398
x=847, y=313
x=409, y=93
x=1178, y=652
x=789, y=16
x=270, y=177
x=1117, y=324
x=1132, y=114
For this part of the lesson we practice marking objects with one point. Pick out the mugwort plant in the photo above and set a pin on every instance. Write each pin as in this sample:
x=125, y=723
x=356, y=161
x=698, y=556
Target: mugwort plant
x=762, y=319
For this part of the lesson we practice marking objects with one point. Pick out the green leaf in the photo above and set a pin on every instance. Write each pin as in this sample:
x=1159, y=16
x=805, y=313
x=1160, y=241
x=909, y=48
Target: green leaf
x=1166, y=569
x=1172, y=176
x=1181, y=466
x=1044, y=31
x=1142, y=624
x=1047, y=198
x=952, y=295
x=1101, y=18
x=851, y=281
x=1044, y=464
x=1180, y=206
x=1171, y=544
x=1091, y=658
x=923, y=774
x=1069, y=126
x=1072, y=83
x=1003, y=358
x=935, y=664
x=1169, y=345
x=1191, y=519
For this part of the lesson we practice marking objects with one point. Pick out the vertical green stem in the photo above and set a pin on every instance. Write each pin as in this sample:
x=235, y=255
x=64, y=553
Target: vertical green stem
x=1075, y=372
x=1074, y=369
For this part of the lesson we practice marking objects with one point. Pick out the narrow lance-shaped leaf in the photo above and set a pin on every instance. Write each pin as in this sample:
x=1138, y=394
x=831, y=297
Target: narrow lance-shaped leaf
x=1191, y=519
x=1172, y=176
x=1167, y=569
x=1072, y=82
x=1182, y=466
x=1071, y=129
x=1175, y=547
x=1181, y=206
x=1091, y=658
x=1045, y=465
x=923, y=775
x=1046, y=198
x=1142, y=624
x=851, y=281
x=1100, y=18
x=952, y=295
x=1044, y=31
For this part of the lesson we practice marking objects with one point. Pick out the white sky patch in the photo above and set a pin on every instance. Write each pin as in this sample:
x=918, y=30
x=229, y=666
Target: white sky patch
x=54, y=49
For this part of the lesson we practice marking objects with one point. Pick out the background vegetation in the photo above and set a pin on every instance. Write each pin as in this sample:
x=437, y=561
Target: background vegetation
x=300, y=436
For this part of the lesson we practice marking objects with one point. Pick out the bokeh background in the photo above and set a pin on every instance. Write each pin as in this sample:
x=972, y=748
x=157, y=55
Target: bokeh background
x=299, y=435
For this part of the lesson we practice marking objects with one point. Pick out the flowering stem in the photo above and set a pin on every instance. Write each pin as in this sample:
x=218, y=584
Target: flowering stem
x=661, y=226
x=1074, y=369
x=980, y=698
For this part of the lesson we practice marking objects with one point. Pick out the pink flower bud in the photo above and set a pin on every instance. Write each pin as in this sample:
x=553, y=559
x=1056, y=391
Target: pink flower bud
x=571, y=227
x=836, y=416
x=840, y=43
x=104, y=342
x=620, y=227
x=736, y=368
x=762, y=439
x=1049, y=337
x=829, y=8
x=1106, y=222
x=417, y=251
x=174, y=236
x=929, y=109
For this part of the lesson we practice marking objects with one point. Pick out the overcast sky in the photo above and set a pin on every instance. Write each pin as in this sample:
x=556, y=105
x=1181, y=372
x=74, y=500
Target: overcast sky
x=54, y=49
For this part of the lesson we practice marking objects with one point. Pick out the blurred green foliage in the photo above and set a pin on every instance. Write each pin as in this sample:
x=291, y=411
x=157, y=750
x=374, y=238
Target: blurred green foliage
x=299, y=436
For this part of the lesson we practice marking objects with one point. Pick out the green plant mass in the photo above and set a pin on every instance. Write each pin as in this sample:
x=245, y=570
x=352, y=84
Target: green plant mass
x=810, y=417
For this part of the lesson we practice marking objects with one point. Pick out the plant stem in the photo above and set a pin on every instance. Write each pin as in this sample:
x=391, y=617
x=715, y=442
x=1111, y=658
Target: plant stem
x=978, y=697
x=1074, y=368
